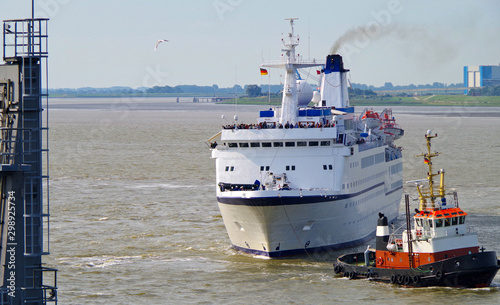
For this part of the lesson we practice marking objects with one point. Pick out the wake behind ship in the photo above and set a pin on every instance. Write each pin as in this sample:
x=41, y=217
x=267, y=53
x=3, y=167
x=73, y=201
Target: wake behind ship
x=304, y=179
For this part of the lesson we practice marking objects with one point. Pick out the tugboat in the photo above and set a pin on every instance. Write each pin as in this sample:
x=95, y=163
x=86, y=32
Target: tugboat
x=438, y=251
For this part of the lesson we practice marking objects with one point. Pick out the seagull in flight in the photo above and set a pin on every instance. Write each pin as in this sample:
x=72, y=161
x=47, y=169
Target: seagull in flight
x=158, y=42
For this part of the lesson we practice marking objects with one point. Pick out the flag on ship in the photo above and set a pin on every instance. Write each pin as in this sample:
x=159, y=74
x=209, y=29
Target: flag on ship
x=426, y=160
x=263, y=71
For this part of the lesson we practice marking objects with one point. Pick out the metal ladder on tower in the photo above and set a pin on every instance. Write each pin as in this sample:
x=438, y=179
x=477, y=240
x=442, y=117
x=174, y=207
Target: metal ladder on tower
x=29, y=44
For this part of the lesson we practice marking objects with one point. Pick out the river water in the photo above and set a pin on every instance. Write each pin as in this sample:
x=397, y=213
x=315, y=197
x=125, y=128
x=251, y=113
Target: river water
x=134, y=218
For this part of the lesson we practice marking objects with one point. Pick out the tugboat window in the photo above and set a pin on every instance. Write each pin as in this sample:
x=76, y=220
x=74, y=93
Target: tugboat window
x=278, y=144
x=447, y=222
x=454, y=221
x=232, y=144
x=243, y=144
x=255, y=144
x=301, y=143
x=313, y=143
x=462, y=220
x=266, y=144
x=439, y=223
x=289, y=144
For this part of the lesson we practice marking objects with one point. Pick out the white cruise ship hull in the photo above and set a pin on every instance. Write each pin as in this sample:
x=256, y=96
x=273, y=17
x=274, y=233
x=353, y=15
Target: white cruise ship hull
x=263, y=226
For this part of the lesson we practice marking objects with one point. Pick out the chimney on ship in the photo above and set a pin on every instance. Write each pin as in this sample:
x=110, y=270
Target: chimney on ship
x=382, y=233
x=334, y=83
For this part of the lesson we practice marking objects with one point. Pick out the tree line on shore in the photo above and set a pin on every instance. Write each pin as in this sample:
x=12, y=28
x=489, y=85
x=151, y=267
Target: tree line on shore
x=252, y=90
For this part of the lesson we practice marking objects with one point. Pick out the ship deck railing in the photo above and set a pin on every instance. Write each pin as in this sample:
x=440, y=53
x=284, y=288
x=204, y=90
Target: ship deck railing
x=240, y=187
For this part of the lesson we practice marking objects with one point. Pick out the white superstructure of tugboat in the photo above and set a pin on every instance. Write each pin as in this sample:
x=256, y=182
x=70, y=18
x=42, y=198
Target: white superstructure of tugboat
x=303, y=179
x=438, y=251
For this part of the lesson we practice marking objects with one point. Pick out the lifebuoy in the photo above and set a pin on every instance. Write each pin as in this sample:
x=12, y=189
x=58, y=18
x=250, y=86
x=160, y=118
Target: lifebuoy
x=380, y=261
x=419, y=233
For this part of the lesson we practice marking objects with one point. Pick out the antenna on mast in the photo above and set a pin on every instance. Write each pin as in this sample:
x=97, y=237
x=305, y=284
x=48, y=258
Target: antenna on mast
x=32, y=9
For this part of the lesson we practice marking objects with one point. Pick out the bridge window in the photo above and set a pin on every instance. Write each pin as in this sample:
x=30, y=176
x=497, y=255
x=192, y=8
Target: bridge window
x=301, y=143
x=454, y=221
x=254, y=144
x=325, y=143
x=266, y=144
x=462, y=220
x=278, y=144
x=289, y=144
x=232, y=144
x=447, y=222
x=243, y=144
x=313, y=143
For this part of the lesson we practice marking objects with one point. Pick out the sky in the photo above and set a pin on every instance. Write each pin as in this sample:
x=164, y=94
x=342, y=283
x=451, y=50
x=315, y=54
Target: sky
x=111, y=43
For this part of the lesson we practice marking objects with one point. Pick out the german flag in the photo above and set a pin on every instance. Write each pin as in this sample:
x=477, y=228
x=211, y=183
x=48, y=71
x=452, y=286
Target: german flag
x=263, y=71
x=426, y=160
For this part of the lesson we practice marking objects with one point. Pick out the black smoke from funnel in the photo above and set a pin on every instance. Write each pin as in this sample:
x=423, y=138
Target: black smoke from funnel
x=417, y=41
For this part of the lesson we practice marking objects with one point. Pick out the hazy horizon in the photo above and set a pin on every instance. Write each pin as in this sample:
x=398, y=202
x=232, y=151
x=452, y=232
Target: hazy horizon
x=111, y=43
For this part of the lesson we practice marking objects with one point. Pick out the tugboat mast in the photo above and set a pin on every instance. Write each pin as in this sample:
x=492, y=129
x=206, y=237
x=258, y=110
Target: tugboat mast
x=430, y=175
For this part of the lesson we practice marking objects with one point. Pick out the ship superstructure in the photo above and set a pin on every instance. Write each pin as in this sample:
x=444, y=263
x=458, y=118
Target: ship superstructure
x=305, y=178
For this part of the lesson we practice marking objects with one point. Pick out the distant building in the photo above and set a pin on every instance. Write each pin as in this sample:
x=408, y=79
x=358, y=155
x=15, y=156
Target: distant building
x=481, y=76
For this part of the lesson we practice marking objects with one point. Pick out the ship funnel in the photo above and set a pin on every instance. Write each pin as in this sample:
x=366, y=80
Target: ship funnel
x=334, y=83
x=382, y=233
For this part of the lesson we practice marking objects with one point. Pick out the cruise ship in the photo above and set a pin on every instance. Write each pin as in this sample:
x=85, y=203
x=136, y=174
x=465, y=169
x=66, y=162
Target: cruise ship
x=305, y=178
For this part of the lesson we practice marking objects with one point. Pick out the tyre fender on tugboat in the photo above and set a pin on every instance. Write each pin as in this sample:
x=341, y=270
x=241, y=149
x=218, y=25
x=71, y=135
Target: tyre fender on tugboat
x=416, y=279
x=406, y=279
x=439, y=275
x=337, y=269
